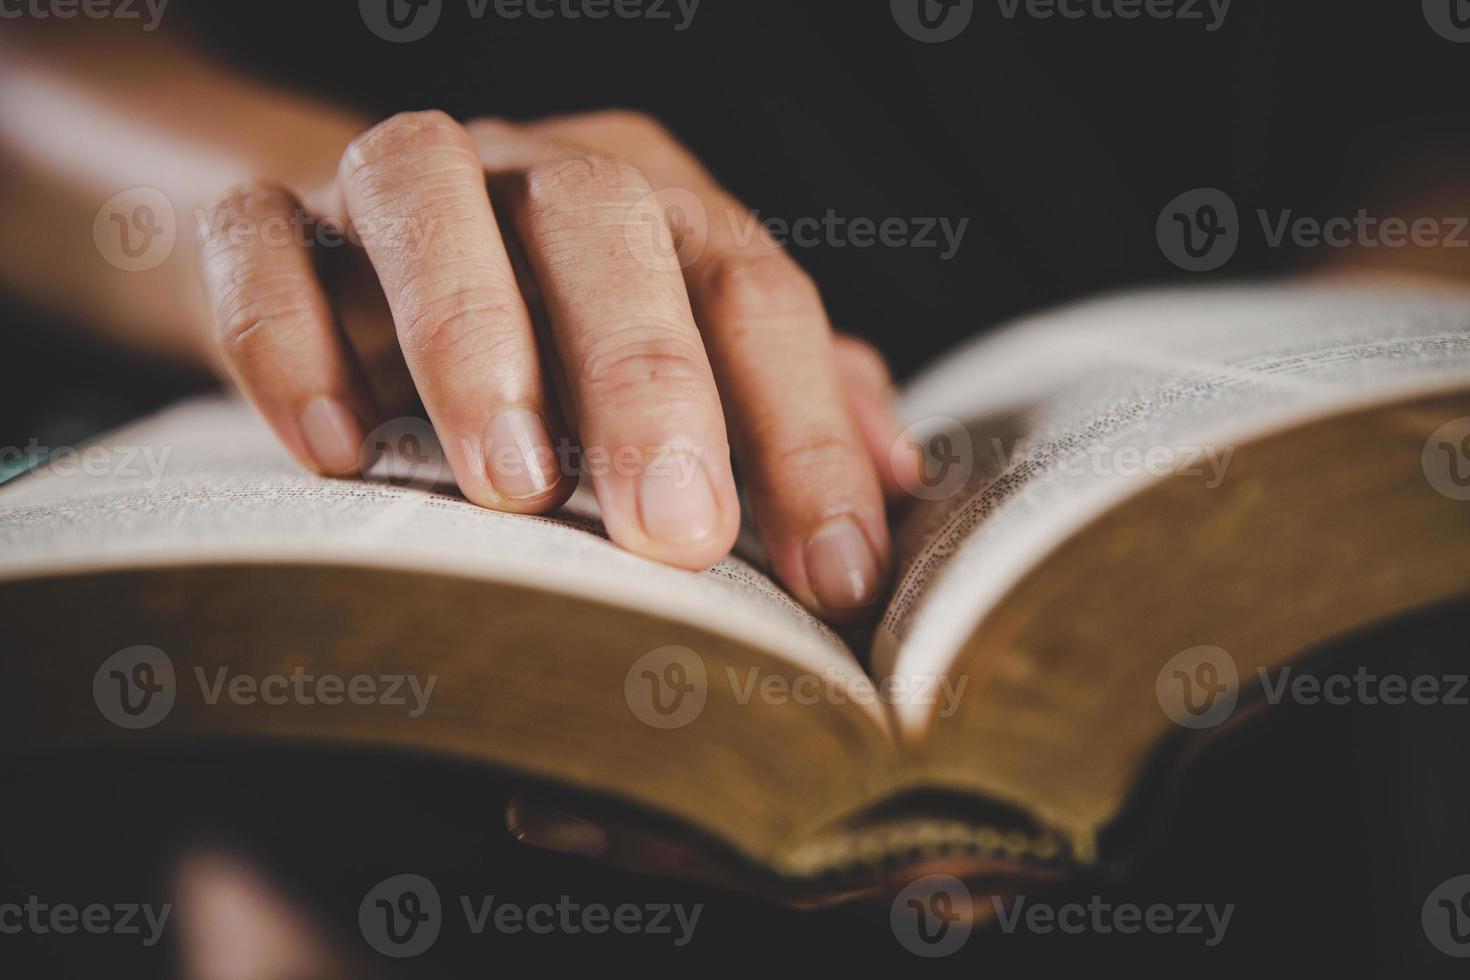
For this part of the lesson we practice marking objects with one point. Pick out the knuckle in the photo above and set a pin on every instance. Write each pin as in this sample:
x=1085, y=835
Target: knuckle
x=240, y=207
x=746, y=284
x=653, y=364
x=402, y=135
x=257, y=313
x=657, y=143
x=813, y=455
x=447, y=318
x=252, y=200
x=582, y=180
x=864, y=357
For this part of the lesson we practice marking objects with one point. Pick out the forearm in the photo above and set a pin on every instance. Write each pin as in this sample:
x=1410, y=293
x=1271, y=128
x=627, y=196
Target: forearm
x=85, y=115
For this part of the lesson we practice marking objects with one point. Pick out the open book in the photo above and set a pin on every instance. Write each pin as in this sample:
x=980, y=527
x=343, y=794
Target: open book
x=1129, y=506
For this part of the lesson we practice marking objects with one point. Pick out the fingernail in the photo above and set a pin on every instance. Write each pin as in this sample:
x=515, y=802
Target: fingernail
x=676, y=501
x=563, y=833
x=332, y=435
x=840, y=565
x=518, y=456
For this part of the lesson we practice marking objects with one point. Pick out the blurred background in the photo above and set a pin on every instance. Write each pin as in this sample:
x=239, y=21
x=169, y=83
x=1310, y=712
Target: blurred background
x=1056, y=140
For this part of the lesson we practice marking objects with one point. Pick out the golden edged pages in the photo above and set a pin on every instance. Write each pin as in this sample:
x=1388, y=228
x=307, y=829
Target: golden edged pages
x=1129, y=507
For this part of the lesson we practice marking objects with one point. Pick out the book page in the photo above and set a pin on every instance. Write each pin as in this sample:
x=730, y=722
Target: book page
x=1048, y=423
x=207, y=482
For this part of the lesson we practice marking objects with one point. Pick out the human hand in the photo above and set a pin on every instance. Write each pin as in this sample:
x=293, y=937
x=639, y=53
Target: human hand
x=567, y=309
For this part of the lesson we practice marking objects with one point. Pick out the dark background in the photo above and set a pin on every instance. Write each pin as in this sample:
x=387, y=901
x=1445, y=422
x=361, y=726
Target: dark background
x=1060, y=141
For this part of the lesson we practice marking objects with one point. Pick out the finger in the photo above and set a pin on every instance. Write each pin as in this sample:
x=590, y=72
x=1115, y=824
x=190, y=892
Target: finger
x=415, y=191
x=870, y=397
x=276, y=331
x=236, y=920
x=813, y=484
x=647, y=409
x=816, y=492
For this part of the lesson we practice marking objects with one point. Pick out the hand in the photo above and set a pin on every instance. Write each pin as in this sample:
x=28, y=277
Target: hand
x=563, y=310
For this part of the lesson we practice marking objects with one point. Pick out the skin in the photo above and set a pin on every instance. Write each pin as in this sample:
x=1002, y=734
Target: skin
x=522, y=281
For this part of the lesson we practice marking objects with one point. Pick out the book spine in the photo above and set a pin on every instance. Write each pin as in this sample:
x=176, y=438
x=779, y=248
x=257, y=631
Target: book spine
x=866, y=850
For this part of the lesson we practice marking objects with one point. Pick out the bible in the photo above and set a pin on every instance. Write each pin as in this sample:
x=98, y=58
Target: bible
x=1128, y=507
